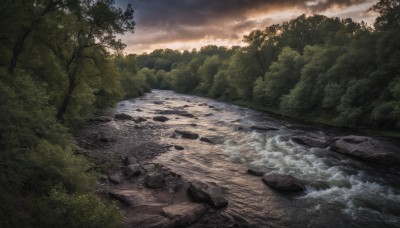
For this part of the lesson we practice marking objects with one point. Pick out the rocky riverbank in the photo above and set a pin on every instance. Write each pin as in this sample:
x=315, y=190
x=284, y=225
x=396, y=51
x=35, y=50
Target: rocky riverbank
x=122, y=149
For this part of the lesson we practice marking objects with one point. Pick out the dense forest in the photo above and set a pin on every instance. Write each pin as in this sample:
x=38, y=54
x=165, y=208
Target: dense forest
x=328, y=70
x=57, y=69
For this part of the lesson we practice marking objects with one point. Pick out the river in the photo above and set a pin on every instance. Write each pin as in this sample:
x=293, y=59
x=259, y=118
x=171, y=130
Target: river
x=341, y=191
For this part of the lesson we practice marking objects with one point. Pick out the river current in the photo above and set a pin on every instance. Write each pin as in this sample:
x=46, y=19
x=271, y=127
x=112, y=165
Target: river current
x=341, y=191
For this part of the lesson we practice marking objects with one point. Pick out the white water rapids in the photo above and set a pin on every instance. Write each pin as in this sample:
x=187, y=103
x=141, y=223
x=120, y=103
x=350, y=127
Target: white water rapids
x=341, y=191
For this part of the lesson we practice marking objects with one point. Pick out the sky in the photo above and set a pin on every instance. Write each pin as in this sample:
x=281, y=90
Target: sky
x=188, y=24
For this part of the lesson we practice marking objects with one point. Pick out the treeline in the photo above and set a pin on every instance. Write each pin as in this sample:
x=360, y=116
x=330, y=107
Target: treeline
x=55, y=71
x=330, y=70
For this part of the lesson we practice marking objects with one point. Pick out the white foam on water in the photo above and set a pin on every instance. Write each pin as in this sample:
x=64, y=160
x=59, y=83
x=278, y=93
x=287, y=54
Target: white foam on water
x=354, y=195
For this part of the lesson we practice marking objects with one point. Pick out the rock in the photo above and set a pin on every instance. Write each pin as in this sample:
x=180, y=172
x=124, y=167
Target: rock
x=103, y=137
x=187, y=134
x=103, y=177
x=202, y=104
x=102, y=119
x=129, y=161
x=140, y=119
x=129, y=197
x=149, y=221
x=123, y=116
x=212, y=139
x=158, y=102
x=154, y=180
x=262, y=128
x=178, y=147
x=367, y=149
x=149, y=167
x=187, y=115
x=255, y=172
x=208, y=114
x=175, y=112
x=284, y=182
x=115, y=178
x=139, y=110
x=210, y=106
x=184, y=214
x=160, y=118
x=132, y=170
x=322, y=142
x=208, y=193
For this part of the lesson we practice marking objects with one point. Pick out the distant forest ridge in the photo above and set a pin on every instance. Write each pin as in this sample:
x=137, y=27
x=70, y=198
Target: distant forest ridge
x=330, y=70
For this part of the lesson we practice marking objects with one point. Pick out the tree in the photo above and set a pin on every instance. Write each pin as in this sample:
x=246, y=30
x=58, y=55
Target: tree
x=389, y=14
x=281, y=77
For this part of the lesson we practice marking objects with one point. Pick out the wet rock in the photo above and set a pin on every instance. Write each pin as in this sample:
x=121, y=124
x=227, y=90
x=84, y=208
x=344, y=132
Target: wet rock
x=202, y=104
x=193, y=125
x=367, y=149
x=212, y=139
x=160, y=118
x=178, y=147
x=123, y=116
x=284, y=182
x=187, y=134
x=132, y=170
x=149, y=221
x=139, y=110
x=129, y=161
x=102, y=119
x=208, y=114
x=158, y=102
x=175, y=112
x=322, y=142
x=208, y=193
x=185, y=213
x=115, y=178
x=255, y=172
x=210, y=106
x=154, y=180
x=140, y=119
x=263, y=128
x=187, y=115
x=128, y=197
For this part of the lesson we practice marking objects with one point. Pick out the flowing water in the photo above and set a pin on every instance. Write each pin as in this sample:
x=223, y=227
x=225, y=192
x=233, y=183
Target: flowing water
x=341, y=191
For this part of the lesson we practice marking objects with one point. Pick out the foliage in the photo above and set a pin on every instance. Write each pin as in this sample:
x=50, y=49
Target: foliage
x=55, y=71
x=334, y=69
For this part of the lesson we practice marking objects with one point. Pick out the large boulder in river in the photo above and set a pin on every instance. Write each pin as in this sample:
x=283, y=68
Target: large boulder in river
x=286, y=183
x=367, y=149
x=187, y=134
x=184, y=214
x=208, y=193
x=322, y=142
x=123, y=116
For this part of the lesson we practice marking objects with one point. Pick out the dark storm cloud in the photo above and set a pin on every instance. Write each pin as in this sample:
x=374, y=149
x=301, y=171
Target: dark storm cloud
x=166, y=21
x=168, y=13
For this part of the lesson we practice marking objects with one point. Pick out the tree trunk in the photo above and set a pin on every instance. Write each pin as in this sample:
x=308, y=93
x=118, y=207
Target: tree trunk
x=67, y=98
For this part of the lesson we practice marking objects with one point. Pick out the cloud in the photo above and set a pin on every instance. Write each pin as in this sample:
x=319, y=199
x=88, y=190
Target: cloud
x=166, y=22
